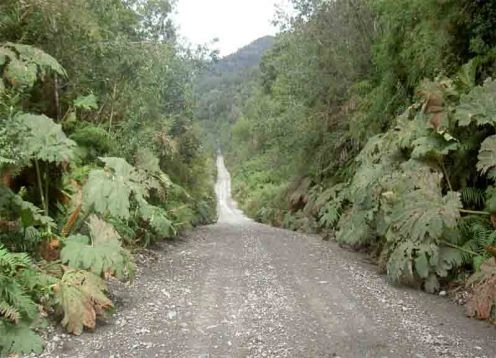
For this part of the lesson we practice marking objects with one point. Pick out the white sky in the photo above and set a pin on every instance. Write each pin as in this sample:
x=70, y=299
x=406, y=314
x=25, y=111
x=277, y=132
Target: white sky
x=235, y=23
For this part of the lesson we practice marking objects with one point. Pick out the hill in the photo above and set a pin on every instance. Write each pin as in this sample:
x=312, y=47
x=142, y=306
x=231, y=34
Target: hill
x=221, y=90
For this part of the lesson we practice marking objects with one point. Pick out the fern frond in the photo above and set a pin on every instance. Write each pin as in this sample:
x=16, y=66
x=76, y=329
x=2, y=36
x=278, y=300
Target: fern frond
x=472, y=197
x=330, y=214
x=9, y=312
x=14, y=294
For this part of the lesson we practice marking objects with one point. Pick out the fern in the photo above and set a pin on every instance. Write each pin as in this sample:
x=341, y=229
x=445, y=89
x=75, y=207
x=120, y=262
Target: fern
x=101, y=253
x=482, y=298
x=477, y=236
x=472, y=197
x=9, y=312
x=330, y=214
x=18, y=310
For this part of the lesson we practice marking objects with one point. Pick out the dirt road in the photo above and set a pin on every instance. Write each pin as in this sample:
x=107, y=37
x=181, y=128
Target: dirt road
x=241, y=289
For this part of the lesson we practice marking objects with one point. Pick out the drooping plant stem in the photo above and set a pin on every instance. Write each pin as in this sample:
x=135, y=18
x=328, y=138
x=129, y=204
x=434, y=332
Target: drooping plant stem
x=475, y=212
x=453, y=246
x=47, y=185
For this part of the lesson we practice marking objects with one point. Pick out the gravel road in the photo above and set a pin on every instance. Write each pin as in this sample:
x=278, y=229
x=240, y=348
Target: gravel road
x=242, y=289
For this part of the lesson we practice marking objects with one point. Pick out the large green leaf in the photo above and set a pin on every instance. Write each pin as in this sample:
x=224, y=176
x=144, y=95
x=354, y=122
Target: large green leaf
x=108, y=190
x=101, y=253
x=19, y=339
x=425, y=214
x=25, y=64
x=28, y=213
x=432, y=146
x=44, y=61
x=158, y=219
x=44, y=139
x=487, y=157
x=478, y=106
x=20, y=74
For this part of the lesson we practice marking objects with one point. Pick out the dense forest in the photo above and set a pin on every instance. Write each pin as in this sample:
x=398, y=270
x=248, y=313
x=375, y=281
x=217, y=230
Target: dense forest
x=369, y=122
x=372, y=123
x=99, y=155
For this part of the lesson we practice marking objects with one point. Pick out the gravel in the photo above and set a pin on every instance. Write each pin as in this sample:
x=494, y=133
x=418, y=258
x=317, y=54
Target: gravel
x=242, y=289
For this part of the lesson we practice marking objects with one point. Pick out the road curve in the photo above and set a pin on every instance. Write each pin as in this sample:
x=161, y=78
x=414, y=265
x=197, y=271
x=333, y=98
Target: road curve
x=242, y=289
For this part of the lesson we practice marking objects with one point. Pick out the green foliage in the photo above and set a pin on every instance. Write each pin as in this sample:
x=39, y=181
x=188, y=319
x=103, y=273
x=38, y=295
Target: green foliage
x=476, y=236
x=330, y=214
x=93, y=141
x=20, y=339
x=422, y=215
x=23, y=65
x=44, y=140
x=86, y=102
x=472, y=197
x=137, y=110
x=100, y=253
x=372, y=121
x=159, y=220
x=478, y=106
x=13, y=206
x=19, y=312
x=108, y=190
x=487, y=157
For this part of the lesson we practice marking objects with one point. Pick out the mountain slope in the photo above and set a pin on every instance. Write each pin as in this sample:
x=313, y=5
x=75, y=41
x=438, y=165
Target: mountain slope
x=221, y=90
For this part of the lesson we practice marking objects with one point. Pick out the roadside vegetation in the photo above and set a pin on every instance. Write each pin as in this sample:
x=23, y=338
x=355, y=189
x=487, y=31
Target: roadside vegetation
x=99, y=155
x=372, y=122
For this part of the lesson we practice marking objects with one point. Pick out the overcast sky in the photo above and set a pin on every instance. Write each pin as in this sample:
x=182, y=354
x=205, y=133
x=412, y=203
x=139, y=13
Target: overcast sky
x=235, y=23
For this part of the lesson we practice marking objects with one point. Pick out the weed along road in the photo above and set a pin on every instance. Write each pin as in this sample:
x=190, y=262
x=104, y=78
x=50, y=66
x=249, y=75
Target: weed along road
x=242, y=289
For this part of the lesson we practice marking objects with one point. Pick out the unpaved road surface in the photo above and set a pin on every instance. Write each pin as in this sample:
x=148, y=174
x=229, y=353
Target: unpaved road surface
x=241, y=289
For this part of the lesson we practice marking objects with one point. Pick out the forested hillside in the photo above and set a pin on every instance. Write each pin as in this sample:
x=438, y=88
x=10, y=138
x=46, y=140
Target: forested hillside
x=372, y=122
x=225, y=85
x=99, y=155
x=369, y=122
